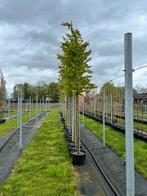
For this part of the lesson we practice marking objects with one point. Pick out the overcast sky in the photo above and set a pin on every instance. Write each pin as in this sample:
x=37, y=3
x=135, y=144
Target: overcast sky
x=30, y=33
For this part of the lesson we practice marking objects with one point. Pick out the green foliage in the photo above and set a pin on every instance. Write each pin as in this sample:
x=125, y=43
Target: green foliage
x=110, y=88
x=45, y=167
x=49, y=91
x=2, y=93
x=53, y=91
x=74, y=70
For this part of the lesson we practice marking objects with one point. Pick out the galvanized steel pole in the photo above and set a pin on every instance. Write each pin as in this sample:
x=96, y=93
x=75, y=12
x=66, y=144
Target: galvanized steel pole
x=18, y=110
x=94, y=105
x=73, y=117
x=20, y=120
x=111, y=106
x=104, y=118
x=83, y=109
x=129, y=115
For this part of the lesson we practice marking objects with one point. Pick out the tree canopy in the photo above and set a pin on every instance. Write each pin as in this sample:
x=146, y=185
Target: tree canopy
x=49, y=91
x=74, y=70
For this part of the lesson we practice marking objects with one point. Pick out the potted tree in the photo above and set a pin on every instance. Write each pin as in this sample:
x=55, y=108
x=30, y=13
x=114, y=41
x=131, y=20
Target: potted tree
x=74, y=79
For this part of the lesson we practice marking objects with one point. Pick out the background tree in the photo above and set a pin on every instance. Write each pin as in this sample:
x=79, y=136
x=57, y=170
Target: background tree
x=53, y=91
x=43, y=89
x=2, y=94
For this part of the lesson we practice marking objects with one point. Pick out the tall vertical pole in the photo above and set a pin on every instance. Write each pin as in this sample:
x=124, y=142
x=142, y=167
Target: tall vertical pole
x=20, y=120
x=104, y=118
x=42, y=106
x=83, y=108
x=32, y=104
x=30, y=107
x=75, y=132
x=65, y=109
x=18, y=110
x=37, y=102
x=129, y=115
x=111, y=106
x=8, y=107
x=46, y=103
x=13, y=104
x=36, y=108
x=94, y=106
x=73, y=117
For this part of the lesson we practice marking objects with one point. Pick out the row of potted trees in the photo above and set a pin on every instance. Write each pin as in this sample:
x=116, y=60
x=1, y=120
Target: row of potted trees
x=74, y=80
x=77, y=158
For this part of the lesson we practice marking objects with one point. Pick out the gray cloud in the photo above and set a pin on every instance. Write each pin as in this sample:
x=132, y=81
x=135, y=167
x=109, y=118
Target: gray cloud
x=30, y=33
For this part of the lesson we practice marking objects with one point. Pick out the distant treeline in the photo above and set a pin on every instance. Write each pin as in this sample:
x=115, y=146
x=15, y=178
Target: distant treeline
x=42, y=89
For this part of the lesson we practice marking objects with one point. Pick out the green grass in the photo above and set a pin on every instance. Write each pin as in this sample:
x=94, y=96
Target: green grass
x=10, y=125
x=10, y=114
x=137, y=125
x=45, y=169
x=116, y=141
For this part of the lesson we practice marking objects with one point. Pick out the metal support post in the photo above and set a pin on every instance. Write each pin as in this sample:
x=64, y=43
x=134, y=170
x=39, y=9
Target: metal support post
x=129, y=115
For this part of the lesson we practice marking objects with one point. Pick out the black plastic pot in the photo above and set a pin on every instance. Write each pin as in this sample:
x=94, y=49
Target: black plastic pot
x=69, y=139
x=71, y=143
x=2, y=120
x=66, y=129
x=64, y=126
x=62, y=119
x=78, y=159
x=71, y=148
x=68, y=135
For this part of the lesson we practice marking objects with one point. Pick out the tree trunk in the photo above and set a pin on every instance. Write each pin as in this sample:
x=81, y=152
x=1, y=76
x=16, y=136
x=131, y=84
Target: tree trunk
x=73, y=118
x=77, y=125
x=75, y=134
x=65, y=110
x=70, y=114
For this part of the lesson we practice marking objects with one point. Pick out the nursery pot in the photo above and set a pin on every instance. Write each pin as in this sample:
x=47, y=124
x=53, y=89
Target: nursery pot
x=62, y=119
x=64, y=126
x=78, y=159
x=66, y=132
x=71, y=143
x=68, y=135
x=69, y=139
x=73, y=147
x=2, y=120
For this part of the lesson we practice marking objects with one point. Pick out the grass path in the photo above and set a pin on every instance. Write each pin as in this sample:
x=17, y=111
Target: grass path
x=45, y=169
x=116, y=141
